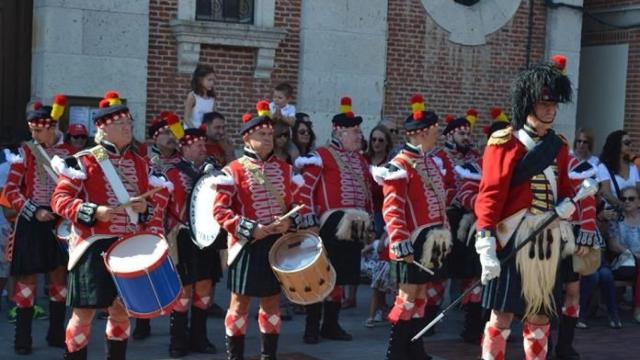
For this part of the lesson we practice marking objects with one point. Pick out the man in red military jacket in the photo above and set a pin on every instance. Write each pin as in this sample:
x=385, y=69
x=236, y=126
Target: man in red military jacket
x=525, y=181
x=91, y=186
x=256, y=190
x=414, y=210
x=161, y=155
x=34, y=249
x=337, y=182
x=197, y=267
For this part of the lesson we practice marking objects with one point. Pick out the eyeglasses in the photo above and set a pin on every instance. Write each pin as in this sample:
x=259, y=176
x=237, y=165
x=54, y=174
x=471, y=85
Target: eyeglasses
x=628, y=198
x=303, y=132
x=376, y=139
x=627, y=142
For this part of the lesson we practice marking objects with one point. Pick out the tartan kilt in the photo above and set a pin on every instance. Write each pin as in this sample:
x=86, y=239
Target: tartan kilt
x=196, y=264
x=404, y=273
x=345, y=256
x=36, y=249
x=250, y=273
x=90, y=283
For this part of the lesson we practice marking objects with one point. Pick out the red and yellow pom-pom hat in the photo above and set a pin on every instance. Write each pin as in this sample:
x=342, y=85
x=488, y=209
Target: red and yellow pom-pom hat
x=345, y=118
x=111, y=109
x=263, y=120
x=420, y=118
x=500, y=121
x=192, y=135
x=166, y=120
x=44, y=117
x=462, y=123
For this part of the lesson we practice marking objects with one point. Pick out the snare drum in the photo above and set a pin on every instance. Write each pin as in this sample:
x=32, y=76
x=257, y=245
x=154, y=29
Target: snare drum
x=302, y=267
x=145, y=277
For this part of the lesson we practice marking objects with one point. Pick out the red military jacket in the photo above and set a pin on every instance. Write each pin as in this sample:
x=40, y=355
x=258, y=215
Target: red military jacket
x=585, y=215
x=182, y=185
x=160, y=162
x=333, y=184
x=25, y=182
x=82, y=186
x=414, y=197
x=468, y=177
x=498, y=198
x=243, y=200
x=445, y=163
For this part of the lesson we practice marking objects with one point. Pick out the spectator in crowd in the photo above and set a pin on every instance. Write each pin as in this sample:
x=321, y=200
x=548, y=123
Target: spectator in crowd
x=624, y=241
x=219, y=146
x=281, y=135
x=397, y=142
x=616, y=170
x=380, y=145
x=381, y=281
x=77, y=136
x=202, y=97
x=583, y=147
x=282, y=110
x=303, y=137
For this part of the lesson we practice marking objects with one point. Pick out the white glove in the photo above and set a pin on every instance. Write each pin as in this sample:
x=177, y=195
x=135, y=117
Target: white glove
x=565, y=209
x=486, y=249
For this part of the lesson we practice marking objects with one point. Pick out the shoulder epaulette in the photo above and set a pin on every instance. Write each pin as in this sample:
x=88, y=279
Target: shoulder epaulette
x=501, y=136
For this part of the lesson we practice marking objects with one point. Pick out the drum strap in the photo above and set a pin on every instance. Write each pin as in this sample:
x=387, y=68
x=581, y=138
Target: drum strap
x=114, y=180
x=43, y=162
x=261, y=179
x=356, y=175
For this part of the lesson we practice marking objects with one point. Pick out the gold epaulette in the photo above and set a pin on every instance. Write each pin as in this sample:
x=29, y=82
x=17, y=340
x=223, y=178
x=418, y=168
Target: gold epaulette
x=501, y=136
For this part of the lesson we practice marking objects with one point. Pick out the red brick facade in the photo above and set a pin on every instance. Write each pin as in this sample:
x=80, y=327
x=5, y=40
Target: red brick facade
x=617, y=36
x=453, y=77
x=237, y=90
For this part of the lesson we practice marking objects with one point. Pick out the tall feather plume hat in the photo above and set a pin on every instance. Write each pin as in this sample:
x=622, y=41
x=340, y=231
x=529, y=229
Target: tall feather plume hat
x=46, y=116
x=543, y=82
x=261, y=121
x=420, y=118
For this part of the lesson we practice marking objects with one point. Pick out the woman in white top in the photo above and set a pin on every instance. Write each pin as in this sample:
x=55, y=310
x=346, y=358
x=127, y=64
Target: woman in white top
x=616, y=170
x=201, y=98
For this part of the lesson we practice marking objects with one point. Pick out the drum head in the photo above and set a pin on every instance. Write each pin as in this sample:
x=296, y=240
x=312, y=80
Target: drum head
x=296, y=251
x=63, y=229
x=204, y=228
x=136, y=253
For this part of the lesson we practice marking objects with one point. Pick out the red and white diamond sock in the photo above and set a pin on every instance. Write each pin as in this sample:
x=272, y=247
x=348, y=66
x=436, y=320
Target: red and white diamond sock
x=571, y=310
x=77, y=336
x=435, y=292
x=117, y=330
x=402, y=310
x=235, y=324
x=535, y=340
x=57, y=293
x=24, y=295
x=494, y=342
x=269, y=323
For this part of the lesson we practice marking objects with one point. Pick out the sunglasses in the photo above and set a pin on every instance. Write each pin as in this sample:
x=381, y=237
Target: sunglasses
x=627, y=142
x=394, y=131
x=283, y=135
x=78, y=137
x=375, y=139
x=303, y=132
x=628, y=198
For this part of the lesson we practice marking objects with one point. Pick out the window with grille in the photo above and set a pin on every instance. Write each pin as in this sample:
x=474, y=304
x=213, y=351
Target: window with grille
x=237, y=11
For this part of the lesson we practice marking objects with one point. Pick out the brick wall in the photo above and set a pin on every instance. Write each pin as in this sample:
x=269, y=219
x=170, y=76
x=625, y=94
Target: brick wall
x=453, y=77
x=237, y=90
x=616, y=36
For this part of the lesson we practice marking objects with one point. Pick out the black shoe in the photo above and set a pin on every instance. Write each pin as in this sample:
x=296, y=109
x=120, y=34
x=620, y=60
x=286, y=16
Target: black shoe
x=473, y=323
x=178, y=343
x=268, y=346
x=216, y=311
x=235, y=347
x=56, y=333
x=22, y=344
x=116, y=349
x=76, y=355
x=312, y=324
x=198, y=333
x=330, y=328
x=142, y=330
x=566, y=331
x=398, y=348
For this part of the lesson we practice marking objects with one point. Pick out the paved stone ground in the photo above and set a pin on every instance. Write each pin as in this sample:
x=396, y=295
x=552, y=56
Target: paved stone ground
x=598, y=342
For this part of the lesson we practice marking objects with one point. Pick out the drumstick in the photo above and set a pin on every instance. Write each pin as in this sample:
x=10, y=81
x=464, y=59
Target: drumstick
x=423, y=268
x=145, y=195
x=291, y=212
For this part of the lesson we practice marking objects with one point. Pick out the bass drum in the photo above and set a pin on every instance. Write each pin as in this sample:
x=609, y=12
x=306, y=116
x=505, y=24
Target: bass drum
x=204, y=228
